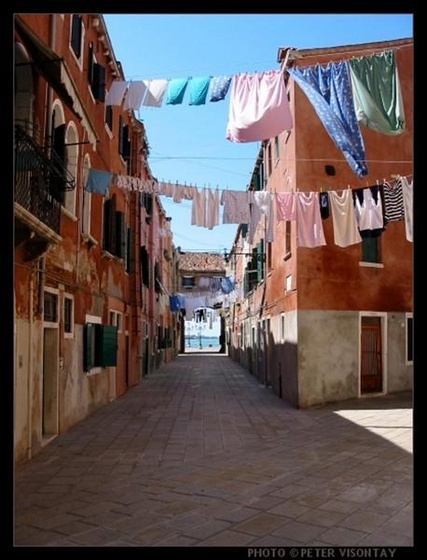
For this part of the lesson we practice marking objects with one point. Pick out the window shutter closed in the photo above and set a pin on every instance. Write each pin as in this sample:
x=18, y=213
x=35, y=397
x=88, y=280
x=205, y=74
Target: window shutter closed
x=98, y=82
x=129, y=251
x=108, y=345
x=120, y=235
x=76, y=34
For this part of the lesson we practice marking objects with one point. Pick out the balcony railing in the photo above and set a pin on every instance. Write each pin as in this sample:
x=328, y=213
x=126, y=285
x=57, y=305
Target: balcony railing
x=39, y=180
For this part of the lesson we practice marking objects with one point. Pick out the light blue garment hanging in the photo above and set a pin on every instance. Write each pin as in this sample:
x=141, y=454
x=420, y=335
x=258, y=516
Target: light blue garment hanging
x=176, y=91
x=329, y=90
x=98, y=181
x=198, y=90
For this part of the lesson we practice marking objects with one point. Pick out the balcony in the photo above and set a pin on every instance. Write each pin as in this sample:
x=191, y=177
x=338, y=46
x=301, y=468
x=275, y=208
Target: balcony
x=39, y=186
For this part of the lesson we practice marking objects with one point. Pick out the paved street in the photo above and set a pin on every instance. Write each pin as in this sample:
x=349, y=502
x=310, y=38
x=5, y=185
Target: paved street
x=200, y=454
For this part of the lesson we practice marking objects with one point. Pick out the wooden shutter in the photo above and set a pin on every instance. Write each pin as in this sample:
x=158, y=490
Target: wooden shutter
x=129, y=250
x=119, y=249
x=108, y=345
x=98, y=82
x=106, y=225
x=76, y=34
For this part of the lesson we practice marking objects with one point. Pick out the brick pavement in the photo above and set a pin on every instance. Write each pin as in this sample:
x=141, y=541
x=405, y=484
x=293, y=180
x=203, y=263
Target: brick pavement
x=200, y=454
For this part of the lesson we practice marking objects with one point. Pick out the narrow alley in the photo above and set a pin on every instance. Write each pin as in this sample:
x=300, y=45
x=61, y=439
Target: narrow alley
x=200, y=454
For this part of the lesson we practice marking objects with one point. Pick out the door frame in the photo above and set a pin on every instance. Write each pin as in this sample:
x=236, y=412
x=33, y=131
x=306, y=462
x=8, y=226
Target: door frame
x=384, y=353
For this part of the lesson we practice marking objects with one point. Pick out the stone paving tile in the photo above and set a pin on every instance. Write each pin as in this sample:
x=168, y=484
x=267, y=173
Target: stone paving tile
x=213, y=445
x=227, y=538
x=261, y=524
x=363, y=520
x=341, y=536
x=99, y=536
x=300, y=532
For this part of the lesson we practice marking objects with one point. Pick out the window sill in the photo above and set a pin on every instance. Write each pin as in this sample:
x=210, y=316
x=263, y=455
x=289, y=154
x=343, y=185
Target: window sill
x=89, y=239
x=367, y=264
x=68, y=213
x=110, y=256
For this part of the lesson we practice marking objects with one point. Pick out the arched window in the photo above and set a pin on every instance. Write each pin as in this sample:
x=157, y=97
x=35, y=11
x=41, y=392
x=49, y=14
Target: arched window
x=71, y=158
x=86, y=197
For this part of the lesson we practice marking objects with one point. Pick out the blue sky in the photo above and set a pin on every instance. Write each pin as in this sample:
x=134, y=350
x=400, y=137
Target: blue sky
x=188, y=143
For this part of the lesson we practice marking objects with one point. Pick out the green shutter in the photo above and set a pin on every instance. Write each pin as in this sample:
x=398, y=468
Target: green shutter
x=106, y=225
x=370, y=249
x=108, y=345
x=88, y=346
x=120, y=235
x=129, y=250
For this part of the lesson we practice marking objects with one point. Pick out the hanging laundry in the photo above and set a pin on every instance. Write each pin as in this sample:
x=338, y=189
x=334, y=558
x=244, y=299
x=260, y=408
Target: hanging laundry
x=219, y=87
x=324, y=205
x=198, y=208
x=393, y=201
x=198, y=90
x=286, y=206
x=174, y=303
x=236, y=207
x=329, y=90
x=98, y=181
x=369, y=210
x=309, y=221
x=155, y=92
x=261, y=204
x=183, y=192
x=407, y=189
x=116, y=93
x=377, y=93
x=176, y=91
x=259, y=107
x=344, y=220
x=135, y=95
x=227, y=284
x=212, y=208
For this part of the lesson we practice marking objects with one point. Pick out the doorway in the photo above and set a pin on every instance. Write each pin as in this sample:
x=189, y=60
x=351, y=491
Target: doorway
x=50, y=383
x=371, y=355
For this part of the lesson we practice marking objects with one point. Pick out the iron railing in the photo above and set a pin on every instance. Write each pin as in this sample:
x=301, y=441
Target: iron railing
x=37, y=178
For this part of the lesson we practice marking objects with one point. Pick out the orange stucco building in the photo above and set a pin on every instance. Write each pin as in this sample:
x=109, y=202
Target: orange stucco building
x=327, y=323
x=88, y=322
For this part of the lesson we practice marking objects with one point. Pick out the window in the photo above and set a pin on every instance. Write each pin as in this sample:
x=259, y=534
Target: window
x=276, y=149
x=129, y=250
x=370, y=249
x=288, y=226
x=282, y=327
x=96, y=76
x=114, y=235
x=50, y=307
x=68, y=316
x=124, y=140
x=188, y=282
x=99, y=346
x=76, y=34
x=71, y=157
x=109, y=117
x=409, y=339
x=86, y=198
x=116, y=320
x=145, y=266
